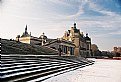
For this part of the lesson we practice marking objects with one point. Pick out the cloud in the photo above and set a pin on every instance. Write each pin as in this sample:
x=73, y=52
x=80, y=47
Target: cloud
x=100, y=27
x=76, y=6
x=56, y=16
x=95, y=7
x=88, y=6
x=117, y=32
x=66, y=2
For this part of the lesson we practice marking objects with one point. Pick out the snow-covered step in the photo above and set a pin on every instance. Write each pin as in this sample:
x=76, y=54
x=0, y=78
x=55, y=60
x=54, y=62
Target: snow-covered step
x=31, y=67
x=44, y=71
x=16, y=68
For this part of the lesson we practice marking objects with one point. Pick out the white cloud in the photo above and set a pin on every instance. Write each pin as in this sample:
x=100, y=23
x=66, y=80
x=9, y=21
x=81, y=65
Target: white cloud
x=79, y=4
x=42, y=16
x=116, y=33
x=93, y=6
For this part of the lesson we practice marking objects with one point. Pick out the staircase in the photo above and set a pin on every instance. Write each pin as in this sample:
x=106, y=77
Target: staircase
x=22, y=68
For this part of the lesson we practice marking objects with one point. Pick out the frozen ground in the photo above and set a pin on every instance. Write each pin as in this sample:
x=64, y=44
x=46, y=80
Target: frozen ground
x=101, y=71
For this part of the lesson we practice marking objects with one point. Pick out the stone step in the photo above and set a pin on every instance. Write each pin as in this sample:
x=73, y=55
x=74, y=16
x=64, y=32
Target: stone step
x=14, y=63
x=29, y=65
x=27, y=68
x=31, y=74
x=13, y=69
x=29, y=59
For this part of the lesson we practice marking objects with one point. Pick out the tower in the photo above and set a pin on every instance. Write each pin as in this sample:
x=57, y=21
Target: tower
x=76, y=40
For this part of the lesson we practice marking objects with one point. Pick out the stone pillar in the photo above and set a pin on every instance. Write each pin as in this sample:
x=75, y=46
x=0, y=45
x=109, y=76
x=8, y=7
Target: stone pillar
x=62, y=48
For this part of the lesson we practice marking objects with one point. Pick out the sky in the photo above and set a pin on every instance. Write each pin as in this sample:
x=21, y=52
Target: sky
x=101, y=19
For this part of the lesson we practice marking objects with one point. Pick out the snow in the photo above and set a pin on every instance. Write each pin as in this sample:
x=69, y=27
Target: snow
x=101, y=71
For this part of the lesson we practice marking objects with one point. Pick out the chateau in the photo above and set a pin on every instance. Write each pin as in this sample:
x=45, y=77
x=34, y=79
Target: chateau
x=82, y=43
x=73, y=42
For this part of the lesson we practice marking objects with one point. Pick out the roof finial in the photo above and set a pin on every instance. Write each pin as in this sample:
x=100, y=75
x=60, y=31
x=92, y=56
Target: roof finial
x=43, y=33
x=30, y=33
x=86, y=34
x=74, y=25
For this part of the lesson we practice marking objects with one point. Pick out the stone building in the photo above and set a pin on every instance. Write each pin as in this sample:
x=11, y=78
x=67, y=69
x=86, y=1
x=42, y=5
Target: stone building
x=116, y=50
x=66, y=46
x=82, y=43
x=29, y=39
x=72, y=43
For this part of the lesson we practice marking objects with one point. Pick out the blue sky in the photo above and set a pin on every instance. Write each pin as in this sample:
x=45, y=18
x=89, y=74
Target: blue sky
x=100, y=18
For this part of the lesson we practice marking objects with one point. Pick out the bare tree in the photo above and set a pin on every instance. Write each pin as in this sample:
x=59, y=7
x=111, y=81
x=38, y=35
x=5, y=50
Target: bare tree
x=94, y=49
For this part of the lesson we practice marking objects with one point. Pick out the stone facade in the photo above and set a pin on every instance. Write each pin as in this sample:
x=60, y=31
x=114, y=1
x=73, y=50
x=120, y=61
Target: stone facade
x=72, y=43
x=82, y=43
x=67, y=47
x=27, y=38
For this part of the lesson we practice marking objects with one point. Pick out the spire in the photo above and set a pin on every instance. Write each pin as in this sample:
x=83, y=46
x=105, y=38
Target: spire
x=26, y=28
x=25, y=34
